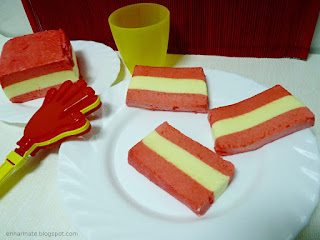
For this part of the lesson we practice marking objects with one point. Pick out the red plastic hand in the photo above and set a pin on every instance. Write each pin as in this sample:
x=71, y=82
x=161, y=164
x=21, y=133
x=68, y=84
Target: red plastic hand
x=59, y=113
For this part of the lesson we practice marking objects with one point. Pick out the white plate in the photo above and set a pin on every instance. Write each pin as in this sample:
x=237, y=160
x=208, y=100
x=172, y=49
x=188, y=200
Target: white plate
x=98, y=64
x=272, y=196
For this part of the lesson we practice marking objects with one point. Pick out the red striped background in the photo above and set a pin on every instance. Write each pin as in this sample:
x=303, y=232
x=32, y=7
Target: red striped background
x=243, y=28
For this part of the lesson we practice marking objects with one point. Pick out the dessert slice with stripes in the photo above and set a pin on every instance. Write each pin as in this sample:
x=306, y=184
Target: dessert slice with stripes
x=258, y=120
x=32, y=64
x=190, y=172
x=168, y=89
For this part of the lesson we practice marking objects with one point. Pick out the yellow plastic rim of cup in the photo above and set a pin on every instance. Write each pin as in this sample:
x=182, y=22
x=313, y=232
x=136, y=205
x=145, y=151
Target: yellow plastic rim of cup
x=141, y=33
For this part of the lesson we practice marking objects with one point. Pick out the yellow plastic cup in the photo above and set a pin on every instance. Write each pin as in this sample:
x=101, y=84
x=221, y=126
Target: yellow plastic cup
x=141, y=33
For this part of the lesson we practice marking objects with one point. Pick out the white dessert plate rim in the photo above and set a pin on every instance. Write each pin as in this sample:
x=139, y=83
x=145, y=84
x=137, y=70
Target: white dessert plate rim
x=272, y=196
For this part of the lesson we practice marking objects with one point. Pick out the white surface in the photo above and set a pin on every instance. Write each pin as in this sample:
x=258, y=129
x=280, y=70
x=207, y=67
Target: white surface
x=272, y=196
x=99, y=65
x=34, y=188
x=14, y=21
x=315, y=44
x=3, y=40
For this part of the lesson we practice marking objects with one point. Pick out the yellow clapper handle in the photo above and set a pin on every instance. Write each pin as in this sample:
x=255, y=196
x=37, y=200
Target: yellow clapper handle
x=13, y=162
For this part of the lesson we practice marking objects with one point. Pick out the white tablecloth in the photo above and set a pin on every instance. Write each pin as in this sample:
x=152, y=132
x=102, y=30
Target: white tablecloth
x=30, y=201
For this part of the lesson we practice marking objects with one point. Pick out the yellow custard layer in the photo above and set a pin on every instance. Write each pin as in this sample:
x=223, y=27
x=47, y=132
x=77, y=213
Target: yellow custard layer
x=204, y=174
x=169, y=85
x=255, y=117
x=43, y=81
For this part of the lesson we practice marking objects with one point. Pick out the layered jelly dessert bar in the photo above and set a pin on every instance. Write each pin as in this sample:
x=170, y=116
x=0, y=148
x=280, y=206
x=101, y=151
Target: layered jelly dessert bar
x=258, y=120
x=168, y=89
x=187, y=170
x=31, y=64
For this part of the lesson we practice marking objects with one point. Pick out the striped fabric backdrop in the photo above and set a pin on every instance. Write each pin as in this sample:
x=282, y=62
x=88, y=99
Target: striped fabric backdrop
x=243, y=28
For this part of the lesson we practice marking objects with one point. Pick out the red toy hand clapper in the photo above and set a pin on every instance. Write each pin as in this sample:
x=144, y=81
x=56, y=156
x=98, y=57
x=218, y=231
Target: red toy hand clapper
x=61, y=115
